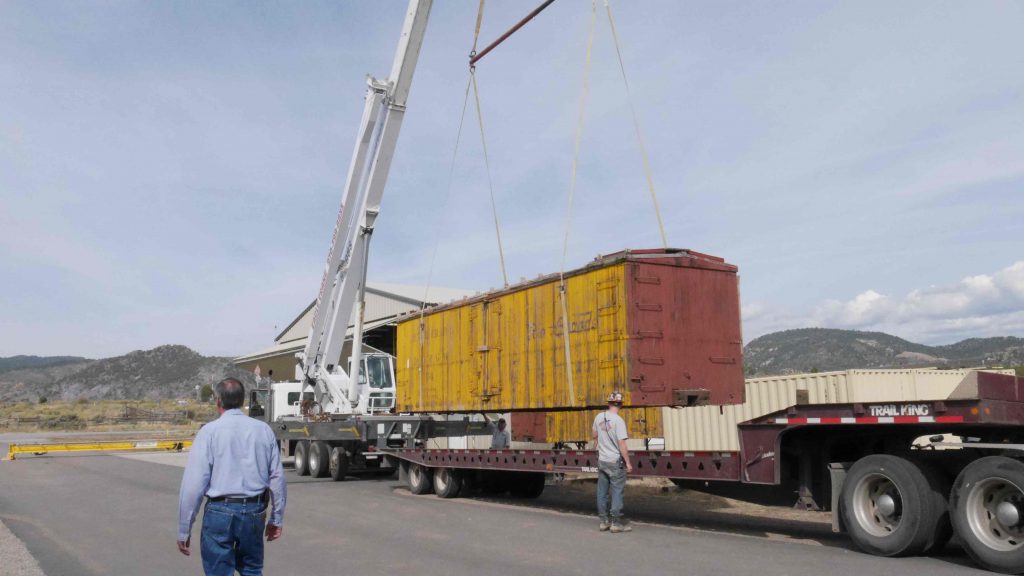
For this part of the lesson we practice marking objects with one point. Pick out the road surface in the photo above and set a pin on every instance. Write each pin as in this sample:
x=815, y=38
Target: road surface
x=107, y=514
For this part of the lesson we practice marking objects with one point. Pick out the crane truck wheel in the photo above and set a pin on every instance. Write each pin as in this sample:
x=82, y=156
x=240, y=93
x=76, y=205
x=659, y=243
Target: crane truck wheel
x=419, y=479
x=339, y=463
x=888, y=506
x=447, y=482
x=319, y=457
x=302, y=458
x=987, y=503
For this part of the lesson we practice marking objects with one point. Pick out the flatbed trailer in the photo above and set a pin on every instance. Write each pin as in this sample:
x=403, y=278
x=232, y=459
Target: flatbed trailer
x=892, y=495
x=337, y=446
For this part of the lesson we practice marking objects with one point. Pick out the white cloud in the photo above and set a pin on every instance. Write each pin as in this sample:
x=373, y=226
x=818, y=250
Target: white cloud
x=987, y=304
x=982, y=305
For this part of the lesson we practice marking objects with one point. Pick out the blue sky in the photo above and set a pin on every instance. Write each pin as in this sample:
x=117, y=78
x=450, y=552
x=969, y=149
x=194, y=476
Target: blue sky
x=170, y=171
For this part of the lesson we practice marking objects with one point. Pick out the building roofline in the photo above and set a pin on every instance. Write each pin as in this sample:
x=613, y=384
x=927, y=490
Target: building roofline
x=295, y=321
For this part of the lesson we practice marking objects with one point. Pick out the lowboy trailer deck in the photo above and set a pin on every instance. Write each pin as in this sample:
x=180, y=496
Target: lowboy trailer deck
x=894, y=497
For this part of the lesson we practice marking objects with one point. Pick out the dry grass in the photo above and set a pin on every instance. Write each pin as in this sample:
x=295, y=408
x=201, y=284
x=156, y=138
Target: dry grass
x=101, y=415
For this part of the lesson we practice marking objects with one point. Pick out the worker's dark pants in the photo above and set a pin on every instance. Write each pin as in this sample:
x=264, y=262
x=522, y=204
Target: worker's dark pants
x=232, y=538
x=610, y=475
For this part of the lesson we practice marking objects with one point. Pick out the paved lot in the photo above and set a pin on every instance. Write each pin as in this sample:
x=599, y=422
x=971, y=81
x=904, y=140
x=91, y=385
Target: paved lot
x=105, y=514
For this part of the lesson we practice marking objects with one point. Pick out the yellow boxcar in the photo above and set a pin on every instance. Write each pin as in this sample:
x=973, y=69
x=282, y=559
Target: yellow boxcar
x=661, y=326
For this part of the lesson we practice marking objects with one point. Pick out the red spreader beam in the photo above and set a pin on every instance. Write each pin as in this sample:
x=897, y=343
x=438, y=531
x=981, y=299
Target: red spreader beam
x=474, y=58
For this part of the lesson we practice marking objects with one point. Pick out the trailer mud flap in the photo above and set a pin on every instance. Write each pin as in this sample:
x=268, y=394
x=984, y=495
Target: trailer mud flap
x=837, y=474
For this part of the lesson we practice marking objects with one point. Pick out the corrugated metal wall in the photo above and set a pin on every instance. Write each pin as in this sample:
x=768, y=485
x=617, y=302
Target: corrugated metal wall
x=713, y=428
x=508, y=351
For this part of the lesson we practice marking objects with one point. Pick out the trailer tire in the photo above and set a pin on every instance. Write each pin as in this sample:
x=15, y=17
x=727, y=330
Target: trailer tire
x=494, y=483
x=419, y=479
x=987, y=502
x=319, y=459
x=447, y=482
x=339, y=463
x=302, y=458
x=888, y=506
x=941, y=484
x=527, y=485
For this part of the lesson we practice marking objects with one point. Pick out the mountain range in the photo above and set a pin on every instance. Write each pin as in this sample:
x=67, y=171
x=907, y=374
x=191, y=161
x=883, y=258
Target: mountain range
x=164, y=372
x=174, y=371
x=824, y=349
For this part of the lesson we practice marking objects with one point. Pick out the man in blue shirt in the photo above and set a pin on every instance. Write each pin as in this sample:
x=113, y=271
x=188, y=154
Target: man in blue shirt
x=235, y=462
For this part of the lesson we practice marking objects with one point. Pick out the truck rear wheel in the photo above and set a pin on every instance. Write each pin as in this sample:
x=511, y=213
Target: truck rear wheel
x=988, y=512
x=319, y=455
x=888, y=506
x=447, y=482
x=339, y=463
x=302, y=458
x=419, y=479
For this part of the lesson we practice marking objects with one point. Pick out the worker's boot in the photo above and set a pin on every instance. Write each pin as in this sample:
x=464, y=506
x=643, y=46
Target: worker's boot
x=618, y=526
x=604, y=525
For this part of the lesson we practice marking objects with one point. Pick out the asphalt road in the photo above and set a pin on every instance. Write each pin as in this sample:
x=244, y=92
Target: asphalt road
x=104, y=514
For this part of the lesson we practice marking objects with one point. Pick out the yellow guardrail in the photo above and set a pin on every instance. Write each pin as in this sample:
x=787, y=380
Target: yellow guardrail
x=39, y=448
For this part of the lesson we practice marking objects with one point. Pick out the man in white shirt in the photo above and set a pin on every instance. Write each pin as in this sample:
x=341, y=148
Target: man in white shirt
x=500, y=437
x=612, y=464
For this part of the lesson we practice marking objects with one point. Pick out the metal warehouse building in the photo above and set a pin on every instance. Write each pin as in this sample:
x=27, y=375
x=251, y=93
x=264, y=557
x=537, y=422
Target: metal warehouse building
x=384, y=303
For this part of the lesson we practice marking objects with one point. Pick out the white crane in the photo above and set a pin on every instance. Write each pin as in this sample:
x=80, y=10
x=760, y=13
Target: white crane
x=339, y=390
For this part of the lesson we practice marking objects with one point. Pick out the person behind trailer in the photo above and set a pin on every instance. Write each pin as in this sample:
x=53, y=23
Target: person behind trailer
x=613, y=464
x=500, y=437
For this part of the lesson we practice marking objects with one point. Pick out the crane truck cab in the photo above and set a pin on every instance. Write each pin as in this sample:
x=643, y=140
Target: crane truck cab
x=284, y=400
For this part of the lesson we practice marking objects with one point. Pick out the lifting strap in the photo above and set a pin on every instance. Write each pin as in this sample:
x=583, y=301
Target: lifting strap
x=476, y=34
x=490, y=182
x=636, y=126
x=483, y=137
x=447, y=195
x=562, y=287
x=437, y=233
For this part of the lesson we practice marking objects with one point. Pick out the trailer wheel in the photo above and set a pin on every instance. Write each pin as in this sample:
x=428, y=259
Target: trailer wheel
x=527, y=485
x=339, y=463
x=301, y=458
x=419, y=479
x=988, y=512
x=447, y=482
x=495, y=483
x=319, y=455
x=888, y=506
x=940, y=484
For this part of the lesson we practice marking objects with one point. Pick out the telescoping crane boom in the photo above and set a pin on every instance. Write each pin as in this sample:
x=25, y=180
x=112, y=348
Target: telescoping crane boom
x=338, y=390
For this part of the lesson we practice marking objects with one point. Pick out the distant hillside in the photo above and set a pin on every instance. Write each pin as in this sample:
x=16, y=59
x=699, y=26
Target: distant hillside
x=160, y=373
x=33, y=362
x=823, y=349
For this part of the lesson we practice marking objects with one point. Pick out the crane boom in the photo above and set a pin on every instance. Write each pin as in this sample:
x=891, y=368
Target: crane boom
x=343, y=286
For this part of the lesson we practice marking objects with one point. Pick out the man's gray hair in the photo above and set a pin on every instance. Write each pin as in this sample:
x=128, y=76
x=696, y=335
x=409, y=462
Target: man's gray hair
x=230, y=392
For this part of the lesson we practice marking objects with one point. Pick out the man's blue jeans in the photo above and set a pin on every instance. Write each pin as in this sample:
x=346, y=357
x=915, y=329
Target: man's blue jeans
x=232, y=538
x=610, y=475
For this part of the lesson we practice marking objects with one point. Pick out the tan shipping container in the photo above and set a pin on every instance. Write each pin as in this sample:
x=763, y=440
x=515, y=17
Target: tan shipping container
x=662, y=326
x=713, y=428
